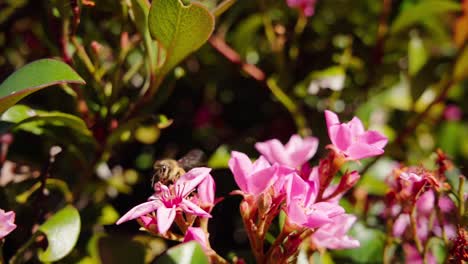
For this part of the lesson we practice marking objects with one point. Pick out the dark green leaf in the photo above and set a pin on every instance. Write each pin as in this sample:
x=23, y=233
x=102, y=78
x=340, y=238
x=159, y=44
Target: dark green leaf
x=62, y=231
x=34, y=77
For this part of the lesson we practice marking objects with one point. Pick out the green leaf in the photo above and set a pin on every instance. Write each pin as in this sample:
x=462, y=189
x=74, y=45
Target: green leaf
x=180, y=29
x=62, y=231
x=186, y=253
x=50, y=184
x=417, y=54
x=31, y=120
x=423, y=10
x=34, y=77
x=220, y=158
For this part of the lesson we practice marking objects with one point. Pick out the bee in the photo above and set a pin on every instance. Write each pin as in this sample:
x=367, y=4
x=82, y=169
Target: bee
x=167, y=171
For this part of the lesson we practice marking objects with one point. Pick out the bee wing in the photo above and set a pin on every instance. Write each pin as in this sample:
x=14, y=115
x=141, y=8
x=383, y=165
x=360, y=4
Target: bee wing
x=193, y=158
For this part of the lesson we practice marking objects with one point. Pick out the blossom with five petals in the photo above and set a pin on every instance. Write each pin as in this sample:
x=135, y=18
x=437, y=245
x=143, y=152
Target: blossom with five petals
x=352, y=140
x=252, y=178
x=301, y=207
x=170, y=199
x=294, y=154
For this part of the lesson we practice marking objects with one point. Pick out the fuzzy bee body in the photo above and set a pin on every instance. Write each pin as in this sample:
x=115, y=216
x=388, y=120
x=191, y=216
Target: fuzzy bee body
x=167, y=171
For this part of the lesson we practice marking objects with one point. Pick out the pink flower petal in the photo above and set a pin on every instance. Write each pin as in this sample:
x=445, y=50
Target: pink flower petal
x=139, y=210
x=196, y=234
x=165, y=218
x=206, y=190
x=361, y=150
x=261, y=180
x=241, y=167
x=194, y=209
x=192, y=179
x=7, y=223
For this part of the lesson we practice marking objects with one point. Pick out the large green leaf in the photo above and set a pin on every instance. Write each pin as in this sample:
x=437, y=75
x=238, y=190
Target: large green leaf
x=180, y=29
x=34, y=77
x=186, y=253
x=421, y=11
x=62, y=231
x=31, y=120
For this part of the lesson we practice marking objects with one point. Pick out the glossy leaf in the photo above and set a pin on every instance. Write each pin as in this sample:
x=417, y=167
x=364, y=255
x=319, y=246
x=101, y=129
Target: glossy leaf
x=34, y=77
x=62, y=231
x=186, y=253
x=180, y=29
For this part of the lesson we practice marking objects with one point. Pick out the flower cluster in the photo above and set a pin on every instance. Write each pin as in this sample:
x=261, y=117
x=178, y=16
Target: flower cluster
x=280, y=181
x=420, y=209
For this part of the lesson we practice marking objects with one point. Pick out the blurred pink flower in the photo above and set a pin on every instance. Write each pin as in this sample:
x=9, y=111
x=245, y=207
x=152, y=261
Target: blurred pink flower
x=301, y=208
x=252, y=178
x=452, y=112
x=7, y=223
x=294, y=154
x=352, y=140
x=412, y=255
x=306, y=6
x=197, y=234
x=333, y=235
x=168, y=200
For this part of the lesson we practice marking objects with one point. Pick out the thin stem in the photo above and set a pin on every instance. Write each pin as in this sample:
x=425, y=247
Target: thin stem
x=417, y=241
x=222, y=7
x=291, y=106
x=461, y=200
x=19, y=254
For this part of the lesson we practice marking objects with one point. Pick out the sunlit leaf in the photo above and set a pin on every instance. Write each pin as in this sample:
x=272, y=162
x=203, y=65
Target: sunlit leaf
x=62, y=231
x=34, y=77
x=186, y=253
x=179, y=28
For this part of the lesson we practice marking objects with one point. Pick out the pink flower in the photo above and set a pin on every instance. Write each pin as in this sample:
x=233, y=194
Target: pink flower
x=306, y=6
x=294, y=154
x=352, y=140
x=301, y=208
x=197, y=234
x=7, y=223
x=168, y=200
x=252, y=178
x=333, y=235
